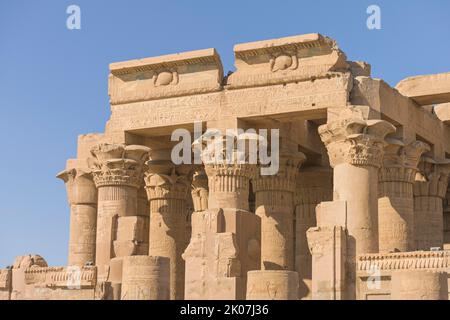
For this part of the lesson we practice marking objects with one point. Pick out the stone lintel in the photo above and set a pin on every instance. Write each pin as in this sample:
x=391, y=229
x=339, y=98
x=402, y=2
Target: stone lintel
x=442, y=111
x=268, y=46
x=285, y=60
x=166, y=76
x=196, y=57
x=426, y=89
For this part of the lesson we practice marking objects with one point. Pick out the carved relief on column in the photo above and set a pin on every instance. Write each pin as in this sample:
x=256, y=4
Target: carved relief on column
x=167, y=188
x=118, y=174
x=396, y=202
x=275, y=206
x=82, y=197
x=314, y=185
x=430, y=188
x=200, y=190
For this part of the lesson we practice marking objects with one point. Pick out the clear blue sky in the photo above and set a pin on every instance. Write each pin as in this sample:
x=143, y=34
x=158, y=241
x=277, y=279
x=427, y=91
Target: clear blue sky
x=53, y=81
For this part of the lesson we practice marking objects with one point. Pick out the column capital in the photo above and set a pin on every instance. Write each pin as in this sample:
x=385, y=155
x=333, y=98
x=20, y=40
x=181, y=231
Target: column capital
x=285, y=179
x=355, y=141
x=71, y=174
x=400, y=160
x=118, y=164
x=165, y=180
x=79, y=185
x=432, y=178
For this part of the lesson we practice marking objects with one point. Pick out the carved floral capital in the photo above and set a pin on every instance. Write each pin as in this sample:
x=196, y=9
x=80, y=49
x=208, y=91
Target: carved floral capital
x=355, y=141
x=400, y=160
x=164, y=180
x=432, y=178
x=117, y=164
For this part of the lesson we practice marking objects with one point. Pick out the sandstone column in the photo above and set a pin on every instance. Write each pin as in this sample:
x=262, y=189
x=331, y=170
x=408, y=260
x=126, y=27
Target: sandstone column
x=395, y=199
x=314, y=185
x=274, y=196
x=117, y=171
x=419, y=285
x=145, y=278
x=167, y=190
x=224, y=244
x=430, y=189
x=82, y=197
x=355, y=148
x=275, y=206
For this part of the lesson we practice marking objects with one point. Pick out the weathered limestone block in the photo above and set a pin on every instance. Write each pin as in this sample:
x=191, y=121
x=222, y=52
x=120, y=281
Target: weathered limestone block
x=5, y=283
x=82, y=196
x=430, y=188
x=275, y=206
x=28, y=261
x=442, y=111
x=328, y=246
x=314, y=185
x=213, y=268
x=419, y=285
x=186, y=73
x=53, y=283
x=145, y=278
x=375, y=271
x=396, y=201
x=131, y=236
x=426, y=90
x=284, y=60
x=272, y=285
x=360, y=68
x=167, y=190
x=229, y=183
x=118, y=174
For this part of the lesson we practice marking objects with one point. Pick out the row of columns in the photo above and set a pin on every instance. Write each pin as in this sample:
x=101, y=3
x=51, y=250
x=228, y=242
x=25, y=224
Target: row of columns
x=109, y=217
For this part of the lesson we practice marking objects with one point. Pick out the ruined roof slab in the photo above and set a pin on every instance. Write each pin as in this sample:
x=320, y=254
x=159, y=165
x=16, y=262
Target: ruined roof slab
x=166, y=76
x=428, y=89
x=285, y=60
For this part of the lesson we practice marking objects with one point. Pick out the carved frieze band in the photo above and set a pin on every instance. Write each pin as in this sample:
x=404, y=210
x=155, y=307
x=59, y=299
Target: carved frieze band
x=404, y=260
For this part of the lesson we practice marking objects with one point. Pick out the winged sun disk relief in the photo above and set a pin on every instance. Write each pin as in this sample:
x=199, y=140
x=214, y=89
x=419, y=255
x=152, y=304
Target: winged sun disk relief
x=283, y=62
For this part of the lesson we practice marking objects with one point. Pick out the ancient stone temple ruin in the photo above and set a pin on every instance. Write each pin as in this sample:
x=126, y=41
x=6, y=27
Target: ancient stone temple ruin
x=358, y=208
